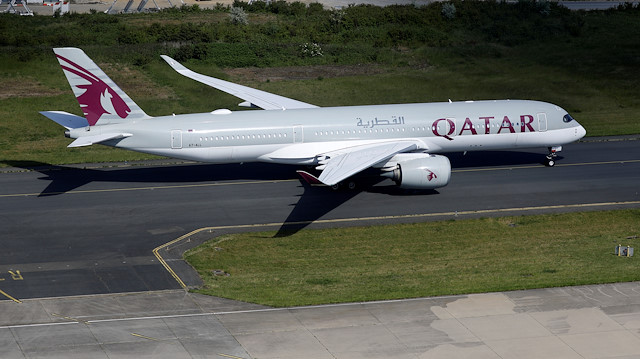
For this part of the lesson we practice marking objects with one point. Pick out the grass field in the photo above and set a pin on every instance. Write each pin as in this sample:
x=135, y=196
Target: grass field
x=423, y=259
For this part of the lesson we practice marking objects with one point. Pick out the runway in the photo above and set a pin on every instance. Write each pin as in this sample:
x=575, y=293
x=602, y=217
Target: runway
x=91, y=230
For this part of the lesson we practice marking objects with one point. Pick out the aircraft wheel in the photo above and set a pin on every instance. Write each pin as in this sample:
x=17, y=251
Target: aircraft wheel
x=351, y=185
x=335, y=187
x=550, y=163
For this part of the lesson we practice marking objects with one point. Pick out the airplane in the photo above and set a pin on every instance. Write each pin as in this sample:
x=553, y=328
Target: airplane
x=399, y=141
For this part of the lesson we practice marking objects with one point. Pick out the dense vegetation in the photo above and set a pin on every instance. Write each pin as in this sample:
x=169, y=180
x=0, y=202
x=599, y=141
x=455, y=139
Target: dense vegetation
x=356, y=34
x=586, y=62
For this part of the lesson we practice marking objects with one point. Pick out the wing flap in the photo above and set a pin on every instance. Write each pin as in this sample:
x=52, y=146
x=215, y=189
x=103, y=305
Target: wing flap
x=354, y=160
x=90, y=140
x=262, y=99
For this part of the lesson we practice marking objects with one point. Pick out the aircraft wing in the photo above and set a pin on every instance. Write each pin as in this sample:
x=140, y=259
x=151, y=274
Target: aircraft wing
x=349, y=161
x=258, y=98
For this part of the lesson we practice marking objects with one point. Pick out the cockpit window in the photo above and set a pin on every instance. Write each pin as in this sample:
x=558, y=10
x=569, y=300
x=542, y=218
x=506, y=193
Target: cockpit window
x=567, y=118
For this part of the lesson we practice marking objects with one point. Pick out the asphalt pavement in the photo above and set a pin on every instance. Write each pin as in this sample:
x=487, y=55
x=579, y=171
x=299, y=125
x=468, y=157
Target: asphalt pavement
x=91, y=229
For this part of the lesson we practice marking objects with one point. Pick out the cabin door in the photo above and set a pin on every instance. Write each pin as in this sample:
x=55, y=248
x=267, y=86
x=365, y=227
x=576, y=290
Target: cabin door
x=176, y=139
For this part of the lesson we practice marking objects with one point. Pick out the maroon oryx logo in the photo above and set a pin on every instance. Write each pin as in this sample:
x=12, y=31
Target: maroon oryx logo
x=98, y=98
x=430, y=175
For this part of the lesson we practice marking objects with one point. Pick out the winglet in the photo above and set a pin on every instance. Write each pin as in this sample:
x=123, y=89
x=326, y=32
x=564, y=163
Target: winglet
x=174, y=64
x=310, y=179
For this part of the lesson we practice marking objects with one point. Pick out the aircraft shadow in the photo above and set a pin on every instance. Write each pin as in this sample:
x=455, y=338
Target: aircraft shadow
x=496, y=158
x=63, y=179
x=67, y=178
x=317, y=201
x=312, y=204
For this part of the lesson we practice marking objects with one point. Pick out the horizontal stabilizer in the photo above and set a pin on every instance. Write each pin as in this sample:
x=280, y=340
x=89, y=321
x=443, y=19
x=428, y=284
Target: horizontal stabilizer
x=90, y=140
x=66, y=120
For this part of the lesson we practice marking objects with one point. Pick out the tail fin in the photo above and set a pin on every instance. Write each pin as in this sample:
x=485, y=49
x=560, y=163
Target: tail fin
x=101, y=100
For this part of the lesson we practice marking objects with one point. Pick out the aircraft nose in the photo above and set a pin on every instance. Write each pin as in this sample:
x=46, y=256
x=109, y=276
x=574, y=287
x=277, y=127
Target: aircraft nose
x=580, y=132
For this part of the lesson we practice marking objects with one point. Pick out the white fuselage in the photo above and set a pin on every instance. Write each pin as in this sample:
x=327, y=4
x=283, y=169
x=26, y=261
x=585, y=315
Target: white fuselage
x=298, y=136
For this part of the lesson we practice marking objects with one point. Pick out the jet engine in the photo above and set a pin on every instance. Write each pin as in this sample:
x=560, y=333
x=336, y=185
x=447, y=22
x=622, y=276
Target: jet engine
x=419, y=171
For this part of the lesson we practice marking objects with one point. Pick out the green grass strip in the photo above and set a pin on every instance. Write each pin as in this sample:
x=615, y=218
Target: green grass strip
x=422, y=259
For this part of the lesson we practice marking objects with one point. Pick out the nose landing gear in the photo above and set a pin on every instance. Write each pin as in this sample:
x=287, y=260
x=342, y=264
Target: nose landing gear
x=551, y=157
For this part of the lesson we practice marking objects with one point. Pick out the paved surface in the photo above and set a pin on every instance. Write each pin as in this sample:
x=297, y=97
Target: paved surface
x=601, y=321
x=91, y=229
x=85, y=231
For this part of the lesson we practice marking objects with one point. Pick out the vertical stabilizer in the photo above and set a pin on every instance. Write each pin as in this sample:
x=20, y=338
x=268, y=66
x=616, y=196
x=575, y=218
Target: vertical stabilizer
x=101, y=100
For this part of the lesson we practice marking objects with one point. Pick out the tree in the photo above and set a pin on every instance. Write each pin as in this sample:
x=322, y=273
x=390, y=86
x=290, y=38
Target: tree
x=238, y=16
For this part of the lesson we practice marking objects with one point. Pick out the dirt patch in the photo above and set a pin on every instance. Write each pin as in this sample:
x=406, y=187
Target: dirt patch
x=250, y=74
x=135, y=83
x=25, y=87
x=131, y=80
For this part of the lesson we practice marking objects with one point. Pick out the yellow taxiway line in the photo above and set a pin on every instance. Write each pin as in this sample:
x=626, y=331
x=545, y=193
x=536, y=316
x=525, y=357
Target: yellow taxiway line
x=229, y=356
x=144, y=337
x=10, y=297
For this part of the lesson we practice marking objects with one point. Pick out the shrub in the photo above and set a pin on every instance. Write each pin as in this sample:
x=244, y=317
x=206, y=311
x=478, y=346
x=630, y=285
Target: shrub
x=238, y=16
x=449, y=11
x=315, y=8
x=310, y=50
x=186, y=52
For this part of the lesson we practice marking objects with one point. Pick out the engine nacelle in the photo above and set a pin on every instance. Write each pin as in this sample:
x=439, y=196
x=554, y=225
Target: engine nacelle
x=421, y=171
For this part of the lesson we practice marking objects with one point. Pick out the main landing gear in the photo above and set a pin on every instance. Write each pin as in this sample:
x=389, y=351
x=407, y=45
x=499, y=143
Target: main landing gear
x=351, y=185
x=551, y=157
x=314, y=181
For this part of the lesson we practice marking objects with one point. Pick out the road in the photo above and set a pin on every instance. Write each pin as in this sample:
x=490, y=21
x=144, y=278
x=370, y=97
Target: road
x=73, y=231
